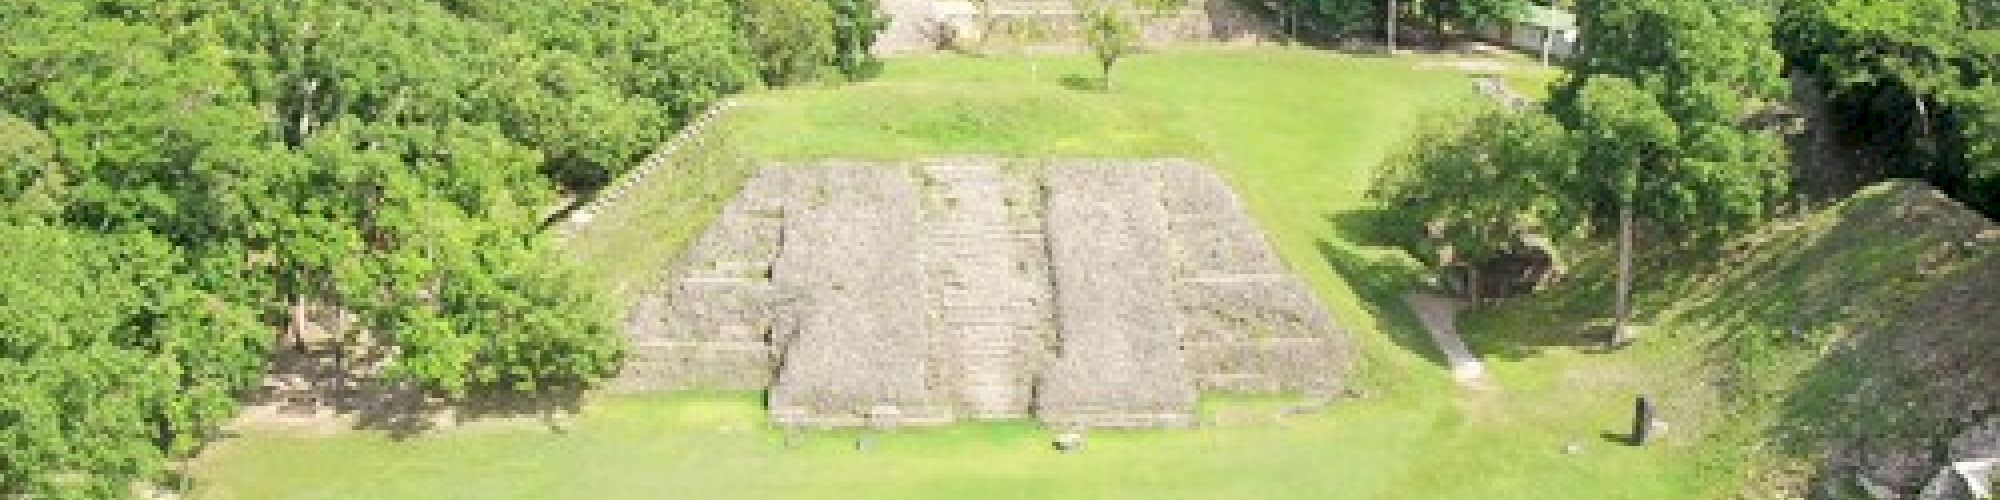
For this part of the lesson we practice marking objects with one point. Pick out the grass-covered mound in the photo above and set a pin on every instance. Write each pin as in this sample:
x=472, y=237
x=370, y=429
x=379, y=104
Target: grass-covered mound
x=1862, y=328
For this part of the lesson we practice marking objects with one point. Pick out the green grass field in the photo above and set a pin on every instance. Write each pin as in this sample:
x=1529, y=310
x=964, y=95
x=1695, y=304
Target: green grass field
x=1297, y=132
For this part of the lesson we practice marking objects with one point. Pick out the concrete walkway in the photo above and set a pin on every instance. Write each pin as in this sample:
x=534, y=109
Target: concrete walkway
x=1440, y=318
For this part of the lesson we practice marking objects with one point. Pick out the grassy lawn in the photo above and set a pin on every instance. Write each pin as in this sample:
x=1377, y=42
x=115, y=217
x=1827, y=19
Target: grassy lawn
x=1298, y=133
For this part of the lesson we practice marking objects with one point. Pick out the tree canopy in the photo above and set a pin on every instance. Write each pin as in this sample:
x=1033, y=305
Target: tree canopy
x=1716, y=172
x=1480, y=180
x=1916, y=84
x=115, y=357
x=1652, y=126
x=177, y=176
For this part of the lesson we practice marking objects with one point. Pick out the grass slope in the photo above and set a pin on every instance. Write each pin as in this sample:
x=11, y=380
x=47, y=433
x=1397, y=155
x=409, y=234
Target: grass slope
x=1297, y=132
x=1869, y=322
x=626, y=245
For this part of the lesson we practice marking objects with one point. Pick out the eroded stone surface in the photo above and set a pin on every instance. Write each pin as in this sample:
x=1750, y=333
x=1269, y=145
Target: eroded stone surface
x=1086, y=293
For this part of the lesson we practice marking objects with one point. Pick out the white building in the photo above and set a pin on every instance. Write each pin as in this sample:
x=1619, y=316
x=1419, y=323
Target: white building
x=1547, y=32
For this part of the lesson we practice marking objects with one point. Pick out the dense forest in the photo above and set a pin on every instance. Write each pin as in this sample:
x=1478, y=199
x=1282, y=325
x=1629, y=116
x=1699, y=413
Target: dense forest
x=181, y=177
x=1662, y=123
x=1915, y=85
x=1652, y=122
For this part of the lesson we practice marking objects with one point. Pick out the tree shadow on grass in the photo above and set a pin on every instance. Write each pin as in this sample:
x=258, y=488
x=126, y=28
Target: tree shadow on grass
x=1514, y=329
x=1381, y=281
x=1085, y=83
x=407, y=413
x=1376, y=227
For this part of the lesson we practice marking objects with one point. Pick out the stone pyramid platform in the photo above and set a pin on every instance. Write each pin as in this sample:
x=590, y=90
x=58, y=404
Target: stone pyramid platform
x=1083, y=293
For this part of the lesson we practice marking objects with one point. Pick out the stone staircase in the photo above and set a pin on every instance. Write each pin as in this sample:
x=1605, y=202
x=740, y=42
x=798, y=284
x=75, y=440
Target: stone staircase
x=992, y=297
x=709, y=325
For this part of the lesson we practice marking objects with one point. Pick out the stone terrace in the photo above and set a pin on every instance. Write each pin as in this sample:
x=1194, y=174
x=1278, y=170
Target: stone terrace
x=1121, y=361
x=861, y=349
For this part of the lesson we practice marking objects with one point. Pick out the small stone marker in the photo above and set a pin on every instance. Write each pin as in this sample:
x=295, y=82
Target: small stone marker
x=1069, y=442
x=865, y=443
x=1642, y=421
x=1573, y=448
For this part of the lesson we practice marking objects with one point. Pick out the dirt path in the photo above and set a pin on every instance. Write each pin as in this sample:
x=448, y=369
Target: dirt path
x=1440, y=318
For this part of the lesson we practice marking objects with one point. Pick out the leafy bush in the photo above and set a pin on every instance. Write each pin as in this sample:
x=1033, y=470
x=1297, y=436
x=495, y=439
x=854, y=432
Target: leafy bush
x=856, y=23
x=794, y=39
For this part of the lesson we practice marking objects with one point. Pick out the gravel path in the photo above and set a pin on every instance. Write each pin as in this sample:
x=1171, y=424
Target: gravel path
x=1439, y=315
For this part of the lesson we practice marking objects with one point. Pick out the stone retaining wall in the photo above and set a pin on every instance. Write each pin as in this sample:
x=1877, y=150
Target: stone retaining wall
x=927, y=26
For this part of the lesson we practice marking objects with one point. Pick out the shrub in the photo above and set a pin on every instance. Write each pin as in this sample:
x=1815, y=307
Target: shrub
x=856, y=23
x=794, y=40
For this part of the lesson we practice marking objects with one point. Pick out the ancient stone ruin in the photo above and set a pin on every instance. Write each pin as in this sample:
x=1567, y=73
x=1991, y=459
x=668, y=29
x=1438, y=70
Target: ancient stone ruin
x=1086, y=294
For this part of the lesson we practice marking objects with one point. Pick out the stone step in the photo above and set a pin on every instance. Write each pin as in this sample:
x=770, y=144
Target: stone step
x=1006, y=241
x=985, y=237
x=983, y=312
x=1007, y=231
x=988, y=306
x=1006, y=343
x=1001, y=296
x=961, y=175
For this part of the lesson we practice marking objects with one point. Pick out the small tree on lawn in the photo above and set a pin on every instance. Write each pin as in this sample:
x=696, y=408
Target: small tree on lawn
x=1110, y=35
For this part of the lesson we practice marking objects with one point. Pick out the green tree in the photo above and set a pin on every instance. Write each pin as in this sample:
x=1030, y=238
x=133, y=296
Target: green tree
x=793, y=39
x=178, y=179
x=856, y=23
x=1479, y=182
x=31, y=181
x=114, y=359
x=1479, y=178
x=1662, y=101
x=1108, y=32
x=1627, y=139
x=1906, y=80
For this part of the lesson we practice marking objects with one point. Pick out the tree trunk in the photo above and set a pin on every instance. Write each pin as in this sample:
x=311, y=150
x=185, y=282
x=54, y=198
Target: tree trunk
x=1548, y=41
x=1472, y=290
x=1389, y=35
x=1620, y=333
x=296, y=327
x=1107, y=62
